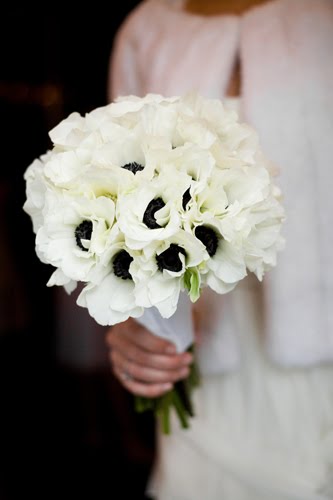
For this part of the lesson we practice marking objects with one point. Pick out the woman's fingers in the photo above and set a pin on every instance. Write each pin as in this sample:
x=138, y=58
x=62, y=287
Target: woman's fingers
x=135, y=353
x=146, y=373
x=139, y=345
x=140, y=388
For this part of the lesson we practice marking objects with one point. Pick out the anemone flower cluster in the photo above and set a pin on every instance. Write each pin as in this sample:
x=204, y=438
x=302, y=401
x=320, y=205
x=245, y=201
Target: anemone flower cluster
x=147, y=197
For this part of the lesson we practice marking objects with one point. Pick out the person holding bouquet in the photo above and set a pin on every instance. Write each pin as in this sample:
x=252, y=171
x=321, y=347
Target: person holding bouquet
x=263, y=427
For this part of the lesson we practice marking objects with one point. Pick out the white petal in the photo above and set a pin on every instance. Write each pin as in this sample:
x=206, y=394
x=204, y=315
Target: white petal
x=60, y=279
x=110, y=302
x=228, y=264
x=59, y=134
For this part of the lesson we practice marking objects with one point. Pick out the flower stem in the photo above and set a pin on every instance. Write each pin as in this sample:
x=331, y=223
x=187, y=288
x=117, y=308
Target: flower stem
x=183, y=393
x=180, y=409
x=179, y=397
x=165, y=403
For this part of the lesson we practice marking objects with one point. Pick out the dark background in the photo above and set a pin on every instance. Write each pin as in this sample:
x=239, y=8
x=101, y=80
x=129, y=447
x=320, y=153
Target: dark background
x=65, y=432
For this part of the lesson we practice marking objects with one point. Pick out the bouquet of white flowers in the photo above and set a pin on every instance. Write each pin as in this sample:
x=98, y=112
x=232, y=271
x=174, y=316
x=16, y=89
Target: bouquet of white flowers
x=148, y=197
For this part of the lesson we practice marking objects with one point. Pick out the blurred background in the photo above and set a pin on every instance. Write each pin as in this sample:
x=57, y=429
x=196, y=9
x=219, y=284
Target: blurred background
x=66, y=424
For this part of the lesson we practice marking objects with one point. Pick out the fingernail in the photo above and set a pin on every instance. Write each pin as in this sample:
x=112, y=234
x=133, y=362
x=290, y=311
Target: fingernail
x=171, y=349
x=166, y=387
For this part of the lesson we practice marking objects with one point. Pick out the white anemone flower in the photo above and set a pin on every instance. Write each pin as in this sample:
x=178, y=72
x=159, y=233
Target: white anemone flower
x=246, y=237
x=159, y=122
x=238, y=146
x=202, y=121
x=208, y=123
x=129, y=112
x=203, y=199
x=123, y=152
x=245, y=185
x=126, y=152
x=151, y=211
x=197, y=163
x=132, y=103
x=225, y=266
x=160, y=270
x=81, y=131
x=74, y=235
x=211, y=112
x=213, y=197
x=64, y=166
x=74, y=148
x=113, y=299
x=69, y=132
x=98, y=181
x=264, y=239
x=194, y=131
x=36, y=188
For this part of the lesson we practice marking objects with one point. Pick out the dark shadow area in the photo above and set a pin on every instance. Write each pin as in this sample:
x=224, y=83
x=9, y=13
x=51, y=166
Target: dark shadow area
x=65, y=432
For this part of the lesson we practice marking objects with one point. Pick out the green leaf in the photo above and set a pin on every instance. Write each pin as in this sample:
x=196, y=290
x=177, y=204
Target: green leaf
x=192, y=283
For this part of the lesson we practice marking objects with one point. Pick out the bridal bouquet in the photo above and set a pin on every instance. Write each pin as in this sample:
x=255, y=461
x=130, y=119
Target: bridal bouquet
x=150, y=199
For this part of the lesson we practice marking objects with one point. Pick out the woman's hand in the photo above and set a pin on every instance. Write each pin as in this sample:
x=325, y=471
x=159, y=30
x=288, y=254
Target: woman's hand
x=145, y=364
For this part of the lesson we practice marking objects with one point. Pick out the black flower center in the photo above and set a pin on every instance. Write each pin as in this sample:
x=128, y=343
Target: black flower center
x=186, y=198
x=134, y=167
x=121, y=264
x=169, y=259
x=208, y=237
x=149, y=215
x=83, y=232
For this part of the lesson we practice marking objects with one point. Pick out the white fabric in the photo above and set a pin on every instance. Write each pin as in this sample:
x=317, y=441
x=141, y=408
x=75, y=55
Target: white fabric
x=178, y=328
x=285, y=49
x=162, y=49
x=288, y=78
x=262, y=431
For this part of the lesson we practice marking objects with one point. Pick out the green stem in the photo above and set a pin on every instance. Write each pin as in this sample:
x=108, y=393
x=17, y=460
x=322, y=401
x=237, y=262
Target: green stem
x=165, y=413
x=183, y=390
x=181, y=412
x=179, y=397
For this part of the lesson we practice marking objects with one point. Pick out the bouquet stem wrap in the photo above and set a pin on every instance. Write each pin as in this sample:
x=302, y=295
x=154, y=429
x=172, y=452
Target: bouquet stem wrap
x=179, y=330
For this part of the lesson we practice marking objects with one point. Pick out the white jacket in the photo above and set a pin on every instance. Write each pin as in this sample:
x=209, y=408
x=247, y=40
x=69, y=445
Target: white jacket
x=285, y=48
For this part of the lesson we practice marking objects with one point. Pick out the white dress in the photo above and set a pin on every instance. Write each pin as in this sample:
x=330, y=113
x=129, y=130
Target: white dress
x=261, y=431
